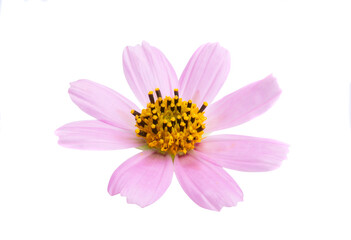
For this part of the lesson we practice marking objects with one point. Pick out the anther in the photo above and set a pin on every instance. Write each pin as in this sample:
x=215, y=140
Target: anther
x=172, y=107
x=176, y=98
x=189, y=139
x=153, y=127
x=182, y=125
x=192, y=118
x=189, y=103
x=169, y=100
x=159, y=101
x=169, y=127
x=176, y=93
x=179, y=107
x=135, y=113
x=186, y=119
x=141, y=122
x=179, y=118
x=204, y=105
x=151, y=97
x=141, y=133
x=173, y=121
x=154, y=112
x=188, y=111
x=158, y=93
x=164, y=123
x=201, y=128
x=152, y=106
x=154, y=119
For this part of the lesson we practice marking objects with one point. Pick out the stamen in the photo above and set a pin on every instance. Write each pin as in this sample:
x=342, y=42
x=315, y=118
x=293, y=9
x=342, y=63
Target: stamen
x=169, y=127
x=162, y=108
x=200, y=129
x=169, y=100
x=154, y=119
x=186, y=119
x=173, y=121
x=140, y=132
x=176, y=98
x=158, y=93
x=182, y=125
x=179, y=107
x=189, y=103
x=179, y=119
x=172, y=107
x=135, y=113
x=176, y=93
x=159, y=100
x=192, y=118
x=153, y=127
x=204, y=105
x=141, y=122
x=164, y=123
x=189, y=139
x=151, y=97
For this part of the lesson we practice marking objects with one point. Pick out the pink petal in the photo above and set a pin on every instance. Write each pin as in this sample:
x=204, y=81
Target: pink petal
x=205, y=73
x=103, y=103
x=242, y=105
x=143, y=178
x=206, y=184
x=243, y=153
x=96, y=135
x=146, y=68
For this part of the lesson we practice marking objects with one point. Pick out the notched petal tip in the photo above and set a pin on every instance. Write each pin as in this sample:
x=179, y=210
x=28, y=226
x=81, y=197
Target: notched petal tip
x=145, y=43
x=272, y=80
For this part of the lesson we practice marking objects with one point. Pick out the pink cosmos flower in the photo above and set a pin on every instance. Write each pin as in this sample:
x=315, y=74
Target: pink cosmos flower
x=172, y=130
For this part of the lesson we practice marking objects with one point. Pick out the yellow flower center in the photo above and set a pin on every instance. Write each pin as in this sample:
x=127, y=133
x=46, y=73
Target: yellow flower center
x=170, y=125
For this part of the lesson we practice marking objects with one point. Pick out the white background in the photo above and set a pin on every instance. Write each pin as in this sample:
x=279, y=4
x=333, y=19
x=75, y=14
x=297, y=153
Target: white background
x=49, y=192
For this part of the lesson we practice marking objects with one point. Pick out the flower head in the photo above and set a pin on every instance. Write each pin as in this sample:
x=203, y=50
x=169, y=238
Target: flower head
x=171, y=126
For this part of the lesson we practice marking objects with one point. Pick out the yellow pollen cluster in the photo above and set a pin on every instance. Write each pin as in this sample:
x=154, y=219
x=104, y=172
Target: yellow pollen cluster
x=170, y=125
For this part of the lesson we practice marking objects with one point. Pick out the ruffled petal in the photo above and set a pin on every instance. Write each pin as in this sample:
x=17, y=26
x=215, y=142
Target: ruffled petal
x=103, y=103
x=146, y=68
x=206, y=184
x=243, y=153
x=205, y=73
x=143, y=178
x=242, y=105
x=96, y=135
